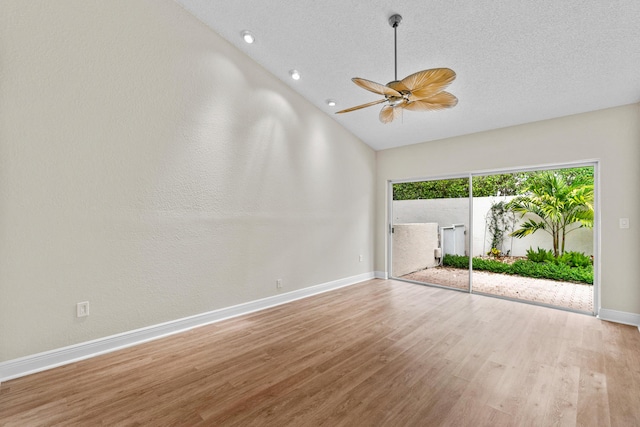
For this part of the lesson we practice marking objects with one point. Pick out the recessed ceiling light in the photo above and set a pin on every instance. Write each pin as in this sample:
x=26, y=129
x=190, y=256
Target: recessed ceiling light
x=295, y=74
x=248, y=37
x=331, y=102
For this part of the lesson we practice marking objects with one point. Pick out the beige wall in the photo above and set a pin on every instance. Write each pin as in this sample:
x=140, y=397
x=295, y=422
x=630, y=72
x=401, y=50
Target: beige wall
x=611, y=136
x=149, y=167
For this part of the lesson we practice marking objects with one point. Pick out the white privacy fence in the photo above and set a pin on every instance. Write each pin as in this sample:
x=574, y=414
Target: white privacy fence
x=452, y=216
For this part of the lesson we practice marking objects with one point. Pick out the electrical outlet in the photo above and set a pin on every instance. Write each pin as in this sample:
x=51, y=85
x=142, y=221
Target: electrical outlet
x=624, y=222
x=360, y=258
x=82, y=309
x=278, y=283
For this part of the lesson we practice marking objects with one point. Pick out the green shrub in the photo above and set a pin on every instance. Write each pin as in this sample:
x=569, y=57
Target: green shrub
x=553, y=271
x=490, y=265
x=456, y=261
x=542, y=255
x=575, y=259
x=571, y=258
x=526, y=268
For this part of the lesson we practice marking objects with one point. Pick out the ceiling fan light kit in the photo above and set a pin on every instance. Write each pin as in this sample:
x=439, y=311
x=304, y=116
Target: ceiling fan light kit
x=421, y=91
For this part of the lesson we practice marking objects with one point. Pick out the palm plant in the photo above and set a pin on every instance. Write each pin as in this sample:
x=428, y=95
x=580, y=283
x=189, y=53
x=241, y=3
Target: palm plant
x=556, y=205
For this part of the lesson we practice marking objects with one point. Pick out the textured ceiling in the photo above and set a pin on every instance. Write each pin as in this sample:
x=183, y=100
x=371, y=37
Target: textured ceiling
x=517, y=61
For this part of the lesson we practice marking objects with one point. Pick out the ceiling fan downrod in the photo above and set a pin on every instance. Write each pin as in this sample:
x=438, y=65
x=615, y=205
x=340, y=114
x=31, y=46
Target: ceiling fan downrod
x=394, y=21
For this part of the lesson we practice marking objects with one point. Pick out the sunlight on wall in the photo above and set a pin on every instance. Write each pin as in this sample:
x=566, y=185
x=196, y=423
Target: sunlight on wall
x=157, y=172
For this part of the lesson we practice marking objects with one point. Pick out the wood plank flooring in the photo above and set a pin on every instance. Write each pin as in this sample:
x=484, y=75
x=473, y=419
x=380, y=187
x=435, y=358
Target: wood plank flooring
x=379, y=353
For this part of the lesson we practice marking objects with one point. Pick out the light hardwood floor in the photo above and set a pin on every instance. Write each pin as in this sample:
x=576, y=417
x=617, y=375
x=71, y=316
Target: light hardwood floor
x=379, y=353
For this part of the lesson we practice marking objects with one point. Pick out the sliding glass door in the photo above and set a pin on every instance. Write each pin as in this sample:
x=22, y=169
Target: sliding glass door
x=530, y=235
x=534, y=238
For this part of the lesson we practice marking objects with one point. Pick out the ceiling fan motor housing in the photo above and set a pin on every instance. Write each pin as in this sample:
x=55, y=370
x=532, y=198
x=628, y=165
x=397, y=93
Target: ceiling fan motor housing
x=394, y=20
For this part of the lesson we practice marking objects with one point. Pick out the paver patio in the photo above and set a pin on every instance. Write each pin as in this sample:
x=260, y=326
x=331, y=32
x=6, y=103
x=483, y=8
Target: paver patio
x=563, y=294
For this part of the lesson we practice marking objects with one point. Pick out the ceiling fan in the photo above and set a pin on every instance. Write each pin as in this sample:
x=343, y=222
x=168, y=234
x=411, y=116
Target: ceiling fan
x=421, y=91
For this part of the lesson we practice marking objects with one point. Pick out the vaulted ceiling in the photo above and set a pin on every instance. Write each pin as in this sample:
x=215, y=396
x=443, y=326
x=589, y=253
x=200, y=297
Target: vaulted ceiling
x=516, y=61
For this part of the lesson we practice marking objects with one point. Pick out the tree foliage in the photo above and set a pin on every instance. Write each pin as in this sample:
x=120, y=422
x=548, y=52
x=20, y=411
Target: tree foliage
x=440, y=189
x=555, y=203
x=508, y=184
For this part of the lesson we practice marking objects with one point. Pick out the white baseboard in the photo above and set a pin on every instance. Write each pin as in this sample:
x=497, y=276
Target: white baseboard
x=42, y=361
x=381, y=275
x=623, y=317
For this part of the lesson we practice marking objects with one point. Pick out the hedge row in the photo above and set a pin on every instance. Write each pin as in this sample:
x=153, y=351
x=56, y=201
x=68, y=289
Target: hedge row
x=526, y=268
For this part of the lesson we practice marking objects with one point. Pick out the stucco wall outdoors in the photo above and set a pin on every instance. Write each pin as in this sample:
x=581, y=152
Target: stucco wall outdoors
x=611, y=136
x=152, y=169
x=446, y=212
x=414, y=247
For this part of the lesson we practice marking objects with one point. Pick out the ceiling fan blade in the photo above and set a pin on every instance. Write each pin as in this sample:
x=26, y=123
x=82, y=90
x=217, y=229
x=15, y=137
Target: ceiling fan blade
x=369, y=104
x=428, y=82
x=439, y=101
x=375, y=87
x=389, y=113
x=397, y=85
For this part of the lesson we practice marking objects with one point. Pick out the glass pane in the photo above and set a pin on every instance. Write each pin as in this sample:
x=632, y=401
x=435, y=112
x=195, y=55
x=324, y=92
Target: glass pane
x=533, y=236
x=429, y=239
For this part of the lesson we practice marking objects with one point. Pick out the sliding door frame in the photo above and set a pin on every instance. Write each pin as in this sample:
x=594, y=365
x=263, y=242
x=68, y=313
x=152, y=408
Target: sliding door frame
x=470, y=175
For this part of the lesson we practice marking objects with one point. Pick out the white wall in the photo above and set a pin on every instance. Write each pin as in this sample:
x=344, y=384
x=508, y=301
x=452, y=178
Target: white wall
x=456, y=211
x=443, y=211
x=150, y=168
x=611, y=136
x=414, y=247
